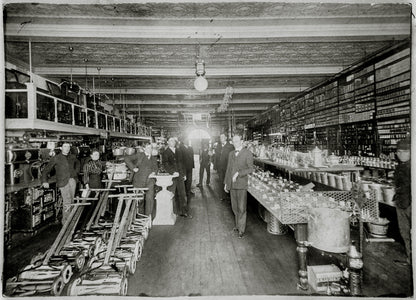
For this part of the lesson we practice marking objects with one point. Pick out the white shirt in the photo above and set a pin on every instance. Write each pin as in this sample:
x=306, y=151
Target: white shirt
x=173, y=149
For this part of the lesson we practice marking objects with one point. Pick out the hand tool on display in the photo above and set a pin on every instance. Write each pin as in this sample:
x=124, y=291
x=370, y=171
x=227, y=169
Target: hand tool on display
x=130, y=249
x=119, y=225
x=99, y=282
x=65, y=234
x=139, y=222
x=51, y=271
x=102, y=203
x=96, y=233
x=107, y=275
x=89, y=245
x=23, y=288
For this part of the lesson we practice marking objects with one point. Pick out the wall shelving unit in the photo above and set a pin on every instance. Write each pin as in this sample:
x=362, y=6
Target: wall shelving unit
x=364, y=110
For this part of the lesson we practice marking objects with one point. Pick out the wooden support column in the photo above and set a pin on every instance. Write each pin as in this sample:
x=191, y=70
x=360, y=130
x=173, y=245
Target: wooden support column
x=302, y=250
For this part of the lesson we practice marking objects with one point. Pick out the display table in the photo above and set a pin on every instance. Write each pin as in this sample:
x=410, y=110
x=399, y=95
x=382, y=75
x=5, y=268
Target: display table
x=287, y=209
x=164, y=201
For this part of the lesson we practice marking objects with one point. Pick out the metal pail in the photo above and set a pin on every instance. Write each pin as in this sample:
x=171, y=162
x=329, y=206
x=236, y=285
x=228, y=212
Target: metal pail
x=329, y=229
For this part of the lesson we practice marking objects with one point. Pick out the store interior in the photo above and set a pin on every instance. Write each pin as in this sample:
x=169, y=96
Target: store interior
x=320, y=92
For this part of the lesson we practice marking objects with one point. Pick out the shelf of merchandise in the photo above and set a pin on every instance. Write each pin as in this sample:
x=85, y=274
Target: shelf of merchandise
x=32, y=109
x=290, y=170
x=364, y=110
x=32, y=207
x=393, y=100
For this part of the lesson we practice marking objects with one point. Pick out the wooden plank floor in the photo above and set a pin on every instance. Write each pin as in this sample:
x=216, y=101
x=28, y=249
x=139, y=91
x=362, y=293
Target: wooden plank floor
x=202, y=256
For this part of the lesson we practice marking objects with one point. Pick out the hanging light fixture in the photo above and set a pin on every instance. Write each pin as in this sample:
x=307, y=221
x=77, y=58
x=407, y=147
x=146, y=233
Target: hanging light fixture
x=200, y=82
x=86, y=74
x=71, y=49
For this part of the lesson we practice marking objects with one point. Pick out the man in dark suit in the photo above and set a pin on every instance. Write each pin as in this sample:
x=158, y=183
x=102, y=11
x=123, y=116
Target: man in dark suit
x=188, y=160
x=67, y=168
x=240, y=164
x=204, y=164
x=224, y=150
x=143, y=164
x=172, y=160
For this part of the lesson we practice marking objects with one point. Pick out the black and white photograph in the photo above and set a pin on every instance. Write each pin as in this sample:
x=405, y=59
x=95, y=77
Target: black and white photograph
x=207, y=149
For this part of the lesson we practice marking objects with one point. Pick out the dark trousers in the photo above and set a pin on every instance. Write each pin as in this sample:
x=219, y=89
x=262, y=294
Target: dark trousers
x=202, y=168
x=188, y=181
x=239, y=207
x=180, y=206
x=146, y=206
x=221, y=174
x=404, y=219
x=150, y=199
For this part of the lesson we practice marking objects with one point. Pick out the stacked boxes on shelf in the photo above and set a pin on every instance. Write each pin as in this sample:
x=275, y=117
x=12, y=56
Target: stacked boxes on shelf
x=34, y=207
x=393, y=100
x=364, y=110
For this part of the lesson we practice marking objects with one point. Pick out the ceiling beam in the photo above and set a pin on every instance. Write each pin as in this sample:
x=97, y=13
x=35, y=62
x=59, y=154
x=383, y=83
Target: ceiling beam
x=161, y=101
x=170, y=119
x=195, y=109
x=153, y=41
x=193, y=92
x=94, y=2
x=38, y=31
x=211, y=71
x=162, y=116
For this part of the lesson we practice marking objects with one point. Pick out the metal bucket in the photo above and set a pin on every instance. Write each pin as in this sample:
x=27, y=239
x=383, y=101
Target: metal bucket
x=324, y=178
x=388, y=195
x=329, y=229
x=331, y=180
x=379, y=230
x=129, y=151
x=338, y=182
x=118, y=151
x=377, y=188
x=274, y=226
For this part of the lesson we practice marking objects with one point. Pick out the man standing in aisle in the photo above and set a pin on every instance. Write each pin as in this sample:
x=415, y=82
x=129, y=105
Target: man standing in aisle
x=173, y=164
x=402, y=197
x=189, y=164
x=143, y=164
x=224, y=150
x=67, y=168
x=204, y=164
x=240, y=164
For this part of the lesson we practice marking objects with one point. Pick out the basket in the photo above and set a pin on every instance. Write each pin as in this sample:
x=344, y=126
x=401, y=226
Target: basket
x=274, y=226
x=263, y=213
x=292, y=214
x=378, y=229
x=267, y=216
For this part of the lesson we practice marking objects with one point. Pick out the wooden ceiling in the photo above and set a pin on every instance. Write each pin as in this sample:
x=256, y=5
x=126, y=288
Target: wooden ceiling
x=143, y=54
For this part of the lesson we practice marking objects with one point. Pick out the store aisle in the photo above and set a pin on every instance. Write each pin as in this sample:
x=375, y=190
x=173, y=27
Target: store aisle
x=202, y=256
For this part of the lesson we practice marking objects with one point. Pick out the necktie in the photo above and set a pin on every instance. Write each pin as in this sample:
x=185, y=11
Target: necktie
x=236, y=152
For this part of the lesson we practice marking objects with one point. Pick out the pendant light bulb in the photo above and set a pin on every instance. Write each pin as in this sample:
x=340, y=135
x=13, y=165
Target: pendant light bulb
x=200, y=83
